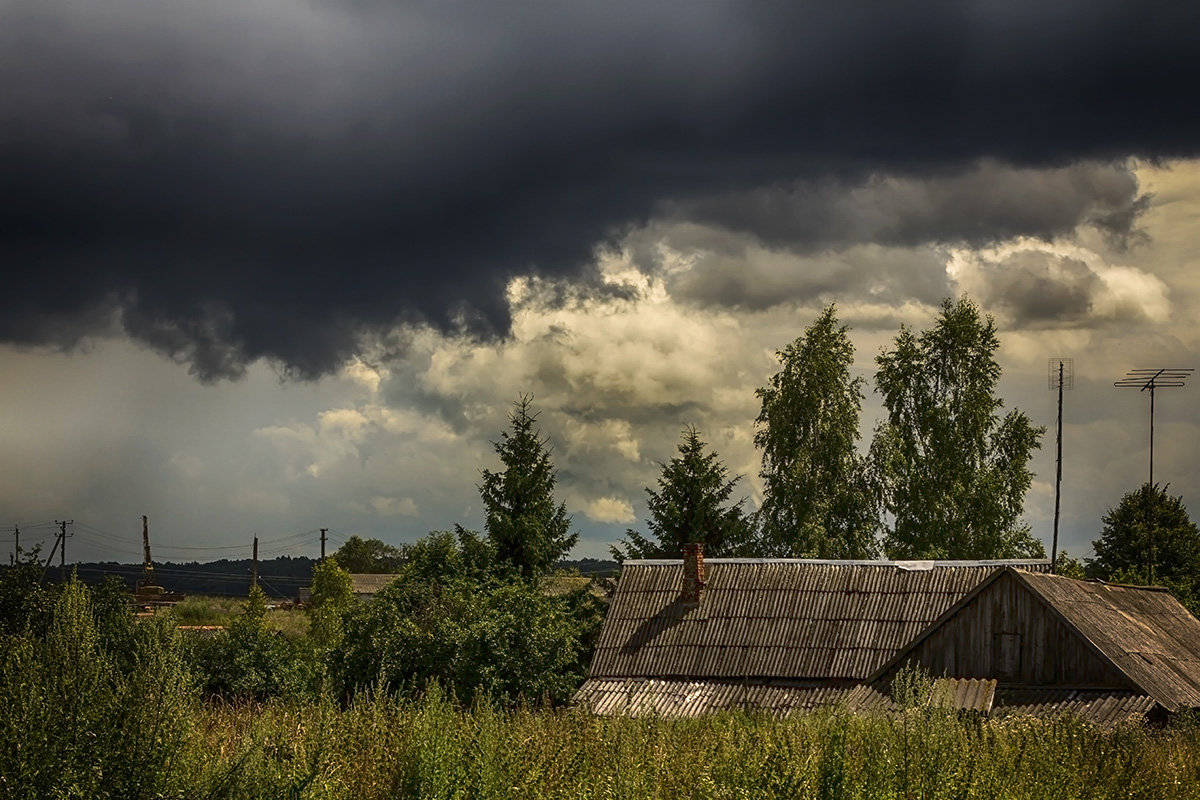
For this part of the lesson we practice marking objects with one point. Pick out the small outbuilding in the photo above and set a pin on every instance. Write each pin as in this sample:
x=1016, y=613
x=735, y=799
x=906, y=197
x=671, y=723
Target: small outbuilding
x=1105, y=652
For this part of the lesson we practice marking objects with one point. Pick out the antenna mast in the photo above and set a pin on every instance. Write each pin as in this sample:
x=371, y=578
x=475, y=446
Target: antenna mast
x=1061, y=376
x=1149, y=380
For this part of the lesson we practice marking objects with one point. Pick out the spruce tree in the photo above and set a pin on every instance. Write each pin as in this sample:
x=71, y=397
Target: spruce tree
x=1149, y=538
x=690, y=505
x=528, y=530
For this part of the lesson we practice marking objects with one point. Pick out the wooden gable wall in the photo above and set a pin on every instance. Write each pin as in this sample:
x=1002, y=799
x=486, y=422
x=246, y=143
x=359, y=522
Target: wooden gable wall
x=1007, y=633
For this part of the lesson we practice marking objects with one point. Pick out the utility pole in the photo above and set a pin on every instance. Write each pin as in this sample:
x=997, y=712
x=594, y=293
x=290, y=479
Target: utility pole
x=323, y=532
x=62, y=552
x=254, y=566
x=1149, y=380
x=1062, y=376
x=16, y=544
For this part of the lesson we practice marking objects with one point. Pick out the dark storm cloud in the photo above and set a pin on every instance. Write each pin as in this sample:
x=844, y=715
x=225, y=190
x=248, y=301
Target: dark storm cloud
x=1040, y=287
x=981, y=205
x=236, y=180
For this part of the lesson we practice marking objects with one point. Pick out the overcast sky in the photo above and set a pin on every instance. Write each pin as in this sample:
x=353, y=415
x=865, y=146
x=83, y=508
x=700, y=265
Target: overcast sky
x=274, y=266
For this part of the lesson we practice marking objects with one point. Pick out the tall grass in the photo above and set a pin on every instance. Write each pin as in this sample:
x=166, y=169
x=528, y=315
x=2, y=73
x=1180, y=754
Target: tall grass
x=382, y=747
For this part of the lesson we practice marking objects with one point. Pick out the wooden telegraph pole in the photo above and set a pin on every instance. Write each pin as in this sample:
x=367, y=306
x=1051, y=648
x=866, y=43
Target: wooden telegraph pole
x=1062, y=376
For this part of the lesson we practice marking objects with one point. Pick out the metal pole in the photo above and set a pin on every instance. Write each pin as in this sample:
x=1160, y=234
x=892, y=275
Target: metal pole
x=1149, y=380
x=1153, y=494
x=1057, y=474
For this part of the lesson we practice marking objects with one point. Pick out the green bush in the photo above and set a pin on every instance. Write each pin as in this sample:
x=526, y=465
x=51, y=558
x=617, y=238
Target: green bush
x=447, y=620
x=94, y=708
x=250, y=660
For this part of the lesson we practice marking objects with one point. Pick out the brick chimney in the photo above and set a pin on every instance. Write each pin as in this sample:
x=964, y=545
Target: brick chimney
x=693, y=572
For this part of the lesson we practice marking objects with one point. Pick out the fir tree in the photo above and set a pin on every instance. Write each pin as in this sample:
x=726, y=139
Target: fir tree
x=528, y=530
x=690, y=505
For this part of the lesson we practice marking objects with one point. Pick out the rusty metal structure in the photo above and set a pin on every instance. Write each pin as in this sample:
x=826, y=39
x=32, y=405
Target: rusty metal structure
x=148, y=594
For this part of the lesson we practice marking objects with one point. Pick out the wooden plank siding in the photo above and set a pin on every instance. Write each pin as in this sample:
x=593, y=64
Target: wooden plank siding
x=971, y=643
x=1043, y=633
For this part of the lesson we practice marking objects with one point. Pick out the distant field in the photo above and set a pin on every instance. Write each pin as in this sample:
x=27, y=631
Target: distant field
x=205, y=610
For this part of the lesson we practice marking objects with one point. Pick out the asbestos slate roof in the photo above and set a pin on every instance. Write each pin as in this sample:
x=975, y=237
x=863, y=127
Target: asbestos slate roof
x=1104, y=707
x=1145, y=632
x=762, y=619
x=637, y=697
x=676, y=698
x=367, y=583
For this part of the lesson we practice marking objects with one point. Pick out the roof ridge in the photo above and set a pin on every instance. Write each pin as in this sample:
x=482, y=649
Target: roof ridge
x=911, y=563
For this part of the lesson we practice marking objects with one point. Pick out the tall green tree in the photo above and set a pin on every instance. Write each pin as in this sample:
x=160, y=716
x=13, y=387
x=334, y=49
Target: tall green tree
x=528, y=529
x=817, y=497
x=954, y=472
x=358, y=555
x=1149, y=538
x=332, y=597
x=690, y=505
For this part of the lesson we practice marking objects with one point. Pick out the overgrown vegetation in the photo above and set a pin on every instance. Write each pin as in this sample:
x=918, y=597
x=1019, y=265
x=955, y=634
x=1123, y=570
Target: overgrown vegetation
x=78, y=721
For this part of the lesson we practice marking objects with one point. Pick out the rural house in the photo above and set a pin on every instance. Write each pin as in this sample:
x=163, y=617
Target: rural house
x=1048, y=643
x=682, y=638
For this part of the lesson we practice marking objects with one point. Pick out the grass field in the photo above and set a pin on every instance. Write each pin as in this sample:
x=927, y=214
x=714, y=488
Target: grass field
x=210, y=610
x=381, y=748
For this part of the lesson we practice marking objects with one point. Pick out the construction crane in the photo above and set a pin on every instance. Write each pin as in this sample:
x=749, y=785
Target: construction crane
x=148, y=592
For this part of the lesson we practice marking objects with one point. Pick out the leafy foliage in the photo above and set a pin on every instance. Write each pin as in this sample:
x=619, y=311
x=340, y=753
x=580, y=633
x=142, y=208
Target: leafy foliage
x=24, y=600
x=249, y=660
x=1070, y=566
x=1149, y=538
x=332, y=597
x=954, y=473
x=358, y=555
x=817, y=497
x=691, y=505
x=93, y=707
x=449, y=619
x=528, y=530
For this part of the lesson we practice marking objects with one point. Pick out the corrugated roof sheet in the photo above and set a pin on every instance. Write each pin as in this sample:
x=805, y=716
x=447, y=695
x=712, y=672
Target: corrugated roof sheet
x=651, y=697
x=367, y=583
x=970, y=694
x=1145, y=632
x=667, y=698
x=1102, y=707
x=788, y=619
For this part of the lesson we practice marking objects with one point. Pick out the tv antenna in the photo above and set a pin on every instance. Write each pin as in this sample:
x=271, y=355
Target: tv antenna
x=1149, y=380
x=1060, y=375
